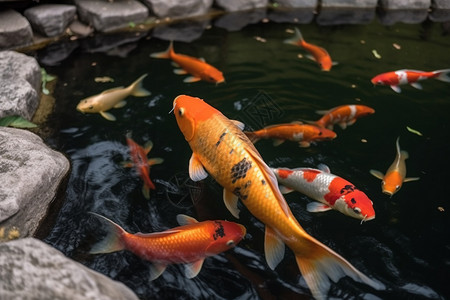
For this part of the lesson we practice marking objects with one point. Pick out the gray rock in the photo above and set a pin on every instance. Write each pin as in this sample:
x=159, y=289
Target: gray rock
x=405, y=4
x=176, y=8
x=31, y=269
x=30, y=173
x=350, y=3
x=441, y=4
x=106, y=16
x=332, y=16
x=297, y=3
x=440, y=15
x=408, y=16
x=186, y=31
x=238, y=20
x=20, y=80
x=50, y=19
x=239, y=5
x=293, y=11
x=15, y=30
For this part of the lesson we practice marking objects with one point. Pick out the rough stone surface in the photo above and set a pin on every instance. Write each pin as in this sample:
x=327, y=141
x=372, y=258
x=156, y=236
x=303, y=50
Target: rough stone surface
x=238, y=5
x=106, y=16
x=31, y=269
x=30, y=173
x=15, y=30
x=176, y=8
x=405, y=4
x=350, y=3
x=441, y=4
x=181, y=31
x=50, y=19
x=333, y=16
x=411, y=16
x=238, y=20
x=20, y=79
x=297, y=3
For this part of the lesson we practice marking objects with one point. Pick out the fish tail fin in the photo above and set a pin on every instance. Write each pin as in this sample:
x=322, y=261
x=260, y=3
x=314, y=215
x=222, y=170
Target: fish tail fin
x=443, y=75
x=112, y=242
x=296, y=40
x=253, y=137
x=405, y=154
x=164, y=54
x=325, y=264
x=136, y=88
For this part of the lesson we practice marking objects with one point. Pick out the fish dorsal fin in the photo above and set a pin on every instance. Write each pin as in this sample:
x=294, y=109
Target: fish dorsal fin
x=185, y=220
x=111, y=90
x=297, y=122
x=191, y=270
x=196, y=170
x=156, y=270
x=239, y=124
x=377, y=174
x=324, y=168
x=273, y=248
x=158, y=234
x=322, y=112
x=231, y=202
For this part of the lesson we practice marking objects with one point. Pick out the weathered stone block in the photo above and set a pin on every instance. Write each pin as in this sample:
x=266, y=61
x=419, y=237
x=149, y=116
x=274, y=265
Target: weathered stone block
x=405, y=4
x=15, y=30
x=239, y=5
x=176, y=8
x=50, y=19
x=350, y=3
x=338, y=16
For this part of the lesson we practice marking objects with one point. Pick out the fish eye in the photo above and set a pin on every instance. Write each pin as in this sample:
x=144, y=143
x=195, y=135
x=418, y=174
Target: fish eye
x=397, y=187
x=383, y=183
x=181, y=112
x=320, y=132
x=357, y=210
x=230, y=243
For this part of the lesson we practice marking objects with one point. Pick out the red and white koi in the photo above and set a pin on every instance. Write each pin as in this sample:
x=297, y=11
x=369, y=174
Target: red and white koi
x=396, y=78
x=392, y=181
x=344, y=115
x=332, y=192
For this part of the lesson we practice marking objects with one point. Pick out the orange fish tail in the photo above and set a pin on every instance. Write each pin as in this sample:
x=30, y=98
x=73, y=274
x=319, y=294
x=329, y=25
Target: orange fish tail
x=113, y=241
x=325, y=264
x=252, y=136
x=165, y=54
x=443, y=75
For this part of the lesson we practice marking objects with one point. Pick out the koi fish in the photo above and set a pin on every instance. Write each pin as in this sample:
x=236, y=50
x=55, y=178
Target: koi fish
x=318, y=54
x=304, y=134
x=198, y=68
x=332, y=192
x=190, y=243
x=142, y=163
x=395, y=175
x=344, y=115
x=220, y=148
x=396, y=78
x=112, y=98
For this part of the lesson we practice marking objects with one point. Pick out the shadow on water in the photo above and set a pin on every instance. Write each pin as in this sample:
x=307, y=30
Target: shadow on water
x=407, y=246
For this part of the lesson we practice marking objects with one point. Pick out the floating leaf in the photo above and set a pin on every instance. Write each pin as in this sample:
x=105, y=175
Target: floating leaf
x=16, y=121
x=396, y=46
x=376, y=54
x=132, y=24
x=103, y=79
x=413, y=131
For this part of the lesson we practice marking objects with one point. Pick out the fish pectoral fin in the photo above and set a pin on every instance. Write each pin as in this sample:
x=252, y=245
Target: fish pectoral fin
x=416, y=85
x=155, y=161
x=411, y=179
x=343, y=125
x=285, y=190
x=317, y=207
x=196, y=170
x=273, y=248
x=185, y=220
x=180, y=71
x=277, y=142
x=120, y=104
x=309, y=56
x=146, y=191
x=324, y=168
x=322, y=112
x=351, y=122
x=174, y=64
x=396, y=89
x=377, y=174
x=156, y=270
x=107, y=116
x=191, y=270
x=231, y=202
x=304, y=144
x=334, y=63
x=191, y=79
x=127, y=164
x=148, y=146
x=239, y=124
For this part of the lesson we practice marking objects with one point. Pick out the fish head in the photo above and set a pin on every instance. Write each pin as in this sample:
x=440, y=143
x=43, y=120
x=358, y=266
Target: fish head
x=391, y=183
x=225, y=235
x=87, y=105
x=363, y=111
x=359, y=206
x=213, y=75
x=326, y=64
x=189, y=112
x=325, y=134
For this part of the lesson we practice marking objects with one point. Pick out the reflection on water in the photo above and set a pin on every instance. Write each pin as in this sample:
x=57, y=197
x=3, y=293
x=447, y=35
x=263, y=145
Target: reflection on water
x=406, y=247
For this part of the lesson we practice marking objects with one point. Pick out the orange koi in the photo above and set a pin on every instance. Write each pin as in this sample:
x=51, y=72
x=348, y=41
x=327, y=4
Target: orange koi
x=198, y=68
x=319, y=54
x=304, y=134
x=220, y=148
x=344, y=115
x=142, y=163
x=395, y=175
x=189, y=244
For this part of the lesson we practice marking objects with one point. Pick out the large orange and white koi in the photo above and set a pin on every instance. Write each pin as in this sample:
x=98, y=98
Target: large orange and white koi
x=344, y=115
x=220, y=148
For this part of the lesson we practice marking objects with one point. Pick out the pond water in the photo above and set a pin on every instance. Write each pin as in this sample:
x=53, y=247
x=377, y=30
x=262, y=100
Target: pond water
x=407, y=245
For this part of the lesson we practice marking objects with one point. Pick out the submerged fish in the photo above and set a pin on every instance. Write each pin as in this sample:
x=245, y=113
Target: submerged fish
x=112, y=98
x=220, y=148
x=332, y=192
x=142, y=163
x=198, y=68
x=319, y=54
x=304, y=134
x=396, y=78
x=344, y=115
x=395, y=176
x=189, y=244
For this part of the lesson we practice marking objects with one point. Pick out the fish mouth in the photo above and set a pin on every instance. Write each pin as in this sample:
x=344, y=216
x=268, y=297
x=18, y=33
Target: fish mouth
x=219, y=82
x=366, y=218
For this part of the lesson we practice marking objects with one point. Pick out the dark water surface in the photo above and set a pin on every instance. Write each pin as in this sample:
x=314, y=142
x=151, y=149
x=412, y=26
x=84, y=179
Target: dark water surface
x=407, y=246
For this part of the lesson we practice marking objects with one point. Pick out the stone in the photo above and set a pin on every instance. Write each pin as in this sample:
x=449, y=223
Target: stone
x=238, y=20
x=408, y=16
x=239, y=5
x=187, y=31
x=293, y=11
x=20, y=80
x=31, y=269
x=176, y=8
x=332, y=16
x=30, y=173
x=15, y=30
x=297, y=3
x=405, y=4
x=50, y=19
x=441, y=4
x=350, y=3
x=107, y=16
